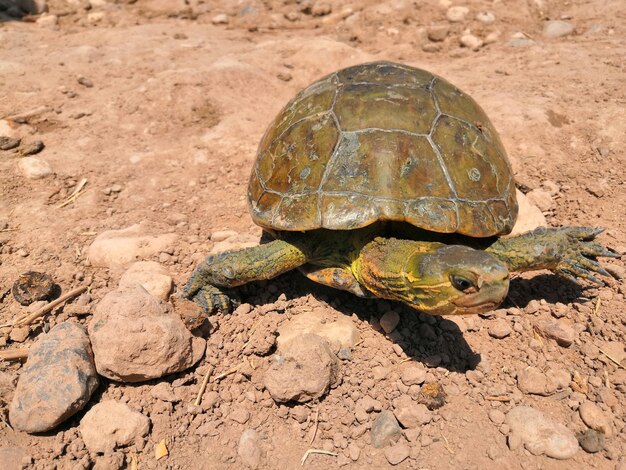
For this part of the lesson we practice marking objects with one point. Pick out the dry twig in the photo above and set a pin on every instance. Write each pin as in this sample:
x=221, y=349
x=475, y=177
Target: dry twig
x=14, y=354
x=502, y=398
x=226, y=374
x=617, y=363
x=315, y=451
x=203, y=385
x=316, y=425
x=446, y=443
x=77, y=192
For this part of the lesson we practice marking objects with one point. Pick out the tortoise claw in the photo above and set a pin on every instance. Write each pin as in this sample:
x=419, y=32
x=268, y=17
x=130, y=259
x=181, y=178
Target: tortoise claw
x=579, y=260
x=211, y=300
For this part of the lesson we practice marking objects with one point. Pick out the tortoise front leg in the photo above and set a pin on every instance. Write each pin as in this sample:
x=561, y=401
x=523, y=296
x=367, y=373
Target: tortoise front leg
x=568, y=251
x=235, y=268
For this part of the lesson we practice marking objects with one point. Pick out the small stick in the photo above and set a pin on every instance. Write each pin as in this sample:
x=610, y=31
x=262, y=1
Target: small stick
x=28, y=319
x=226, y=374
x=446, y=443
x=317, y=417
x=500, y=398
x=619, y=364
x=596, y=307
x=77, y=192
x=203, y=385
x=14, y=354
x=315, y=451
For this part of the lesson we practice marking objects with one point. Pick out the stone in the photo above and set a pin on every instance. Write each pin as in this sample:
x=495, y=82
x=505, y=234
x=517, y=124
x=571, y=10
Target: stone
x=539, y=434
x=249, y=448
x=500, y=329
x=595, y=418
x=558, y=330
x=321, y=9
x=457, y=14
x=618, y=272
x=303, y=371
x=240, y=416
x=532, y=381
x=9, y=143
x=411, y=414
x=354, y=451
x=115, y=248
x=385, y=429
x=471, y=42
x=485, y=17
x=557, y=28
x=496, y=416
x=155, y=340
x=32, y=148
x=222, y=235
x=591, y=441
x=413, y=375
x=541, y=198
x=221, y=18
x=165, y=392
x=336, y=329
x=48, y=22
x=111, y=424
x=57, y=381
x=150, y=275
x=397, y=453
x=615, y=349
x=389, y=321
x=438, y=33
x=34, y=168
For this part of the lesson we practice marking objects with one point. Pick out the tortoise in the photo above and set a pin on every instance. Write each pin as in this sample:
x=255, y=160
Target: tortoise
x=387, y=181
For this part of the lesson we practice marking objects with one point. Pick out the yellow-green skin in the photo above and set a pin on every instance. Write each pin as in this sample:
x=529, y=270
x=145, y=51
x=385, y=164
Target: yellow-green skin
x=359, y=177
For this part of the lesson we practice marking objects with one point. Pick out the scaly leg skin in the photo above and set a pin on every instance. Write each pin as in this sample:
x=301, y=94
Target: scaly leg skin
x=235, y=268
x=568, y=251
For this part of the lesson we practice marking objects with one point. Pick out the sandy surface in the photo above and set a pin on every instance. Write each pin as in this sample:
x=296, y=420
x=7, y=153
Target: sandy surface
x=154, y=100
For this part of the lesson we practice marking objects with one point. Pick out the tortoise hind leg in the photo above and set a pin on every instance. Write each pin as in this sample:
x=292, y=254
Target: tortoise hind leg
x=235, y=268
x=339, y=278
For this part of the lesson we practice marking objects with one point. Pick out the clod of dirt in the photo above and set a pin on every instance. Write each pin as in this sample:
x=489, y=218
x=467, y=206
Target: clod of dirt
x=32, y=286
x=413, y=375
x=119, y=247
x=595, y=418
x=558, y=330
x=249, y=448
x=155, y=340
x=411, y=414
x=57, y=381
x=336, y=329
x=110, y=424
x=304, y=370
x=397, y=453
x=150, y=275
x=500, y=329
x=385, y=429
x=539, y=434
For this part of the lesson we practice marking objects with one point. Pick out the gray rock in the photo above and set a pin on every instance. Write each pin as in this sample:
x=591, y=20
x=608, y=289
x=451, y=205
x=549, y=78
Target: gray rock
x=155, y=340
x=591, y=441
x=57, y=381
x=249, y=448
x=8, y=143
x=385, y=429
x=557, y=28
x=303, y=371
x=539, y=434
x=110, y=424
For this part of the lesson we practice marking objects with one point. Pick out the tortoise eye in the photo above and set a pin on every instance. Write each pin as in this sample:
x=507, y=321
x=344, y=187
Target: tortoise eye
x=463, y=284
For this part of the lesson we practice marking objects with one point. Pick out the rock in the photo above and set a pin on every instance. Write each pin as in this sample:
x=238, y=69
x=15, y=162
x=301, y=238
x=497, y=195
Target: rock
x=541, y=198
x=389, y=321
x=114, y=248
x=110, y=424
x=48, y=21
x=222, y=235
x=249, y=448
x=532, y=381
x=354, y=451
x=220, y=19
x=457, y=14
x=485, y=17
x=500, y=329
x=155, y=340
x=497, y=417
x=558, y=330
x=336, y=329
x=618, y=272
x=19, y=334
x=32, y=148
x=595, y=418
x=165, y=392
x=321, y=9
x=411, y=414
x=591, y=440
x=539, y=434
x=471, y=42
x=57, y=381
x=303, y=371
x=240, y=416
x=150, y=275
x=557, y=28
x=397, y=453
x=9, y=143
x=11, y=458
x=438, y=33
x=385, y=429
x=615, y=349
x=413, y=375
x=34, y=168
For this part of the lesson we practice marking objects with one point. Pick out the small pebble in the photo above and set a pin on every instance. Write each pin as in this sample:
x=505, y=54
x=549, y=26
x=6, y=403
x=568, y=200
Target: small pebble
x=486, y=17
x=8, y=143
x=397, y=453
x=32, y=148
x=471, y=42
x=497, y=416
x=595, y=418
x=557, y=28
x=438, y=33
x=389, y=321
x=457, y=14
x=222, y=18
x=84, y=81
x=591, y=441
x=500, y=329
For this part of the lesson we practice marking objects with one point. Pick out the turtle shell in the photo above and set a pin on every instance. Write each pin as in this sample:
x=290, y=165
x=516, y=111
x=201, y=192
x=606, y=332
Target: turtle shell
x=383, y=141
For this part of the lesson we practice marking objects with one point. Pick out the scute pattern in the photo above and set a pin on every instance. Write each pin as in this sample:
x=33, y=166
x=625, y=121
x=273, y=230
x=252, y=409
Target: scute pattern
x=383, y=141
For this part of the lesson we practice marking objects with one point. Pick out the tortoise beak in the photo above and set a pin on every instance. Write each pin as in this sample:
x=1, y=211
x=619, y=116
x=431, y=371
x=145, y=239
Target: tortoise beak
x=489, y=295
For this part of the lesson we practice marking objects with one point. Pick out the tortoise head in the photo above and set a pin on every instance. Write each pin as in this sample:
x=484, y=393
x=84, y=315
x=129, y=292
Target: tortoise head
x=434, y=278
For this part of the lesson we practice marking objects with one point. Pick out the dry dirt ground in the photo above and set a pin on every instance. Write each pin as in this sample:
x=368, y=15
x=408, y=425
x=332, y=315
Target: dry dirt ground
x=160, y=105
